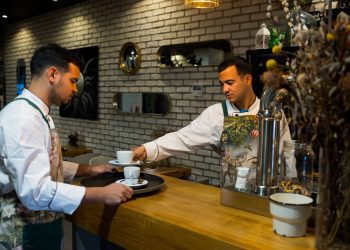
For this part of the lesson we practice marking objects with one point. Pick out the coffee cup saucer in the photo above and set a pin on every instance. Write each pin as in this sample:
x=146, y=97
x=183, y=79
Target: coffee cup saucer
x=117, y=163
x=143, y=183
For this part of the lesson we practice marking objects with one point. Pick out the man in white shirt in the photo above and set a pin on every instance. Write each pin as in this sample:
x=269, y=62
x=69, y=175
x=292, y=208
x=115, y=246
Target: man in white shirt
x=33, y=195
x=235, y=77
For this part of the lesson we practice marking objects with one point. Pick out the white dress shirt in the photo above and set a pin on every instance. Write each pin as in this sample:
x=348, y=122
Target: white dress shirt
x=204, y=130
x=25, y=145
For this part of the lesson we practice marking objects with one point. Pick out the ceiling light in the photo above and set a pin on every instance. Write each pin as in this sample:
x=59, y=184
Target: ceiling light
x=202, y=3
x=4, y=16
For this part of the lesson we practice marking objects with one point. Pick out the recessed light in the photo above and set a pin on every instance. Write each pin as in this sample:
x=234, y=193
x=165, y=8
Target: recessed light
x=4, y=16
x=54, y=0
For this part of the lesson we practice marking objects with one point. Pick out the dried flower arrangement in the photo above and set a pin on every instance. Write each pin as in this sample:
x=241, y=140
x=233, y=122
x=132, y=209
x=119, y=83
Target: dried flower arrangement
x=318, y=86
x=295, y=20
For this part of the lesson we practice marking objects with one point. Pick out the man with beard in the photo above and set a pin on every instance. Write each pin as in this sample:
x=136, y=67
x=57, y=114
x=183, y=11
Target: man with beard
x=229, y=127
x=33, y=195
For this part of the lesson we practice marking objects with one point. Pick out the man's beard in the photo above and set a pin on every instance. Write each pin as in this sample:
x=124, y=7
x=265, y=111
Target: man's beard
x=55, y=99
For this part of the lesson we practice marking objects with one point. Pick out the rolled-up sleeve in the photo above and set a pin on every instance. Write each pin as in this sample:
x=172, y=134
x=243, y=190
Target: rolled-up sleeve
x=67, y=204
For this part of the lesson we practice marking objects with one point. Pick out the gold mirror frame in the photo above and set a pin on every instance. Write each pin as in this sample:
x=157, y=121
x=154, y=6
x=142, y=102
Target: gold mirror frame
x=132, y=65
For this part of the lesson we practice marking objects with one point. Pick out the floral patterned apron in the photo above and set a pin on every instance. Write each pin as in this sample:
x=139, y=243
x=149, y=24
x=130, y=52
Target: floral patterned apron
x=22, y=228
x=239, y=143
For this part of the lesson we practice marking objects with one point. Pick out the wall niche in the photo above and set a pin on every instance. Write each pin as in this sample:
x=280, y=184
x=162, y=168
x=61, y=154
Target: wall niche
x=145, y=103
x=194, y=54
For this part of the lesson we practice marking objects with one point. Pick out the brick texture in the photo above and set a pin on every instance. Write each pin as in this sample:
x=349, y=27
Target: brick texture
x=150, y=24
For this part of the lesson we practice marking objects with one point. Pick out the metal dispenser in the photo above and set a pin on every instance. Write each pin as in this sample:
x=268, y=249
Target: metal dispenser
x=269, y=137
x=256, y=200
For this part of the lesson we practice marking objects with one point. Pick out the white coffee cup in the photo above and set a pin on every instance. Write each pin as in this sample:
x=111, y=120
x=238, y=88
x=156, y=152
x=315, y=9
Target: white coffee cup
x=124, y=156
x=131, y=175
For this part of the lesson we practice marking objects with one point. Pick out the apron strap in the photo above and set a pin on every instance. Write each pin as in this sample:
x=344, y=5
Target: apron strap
x=34, y=106
x=224, y=108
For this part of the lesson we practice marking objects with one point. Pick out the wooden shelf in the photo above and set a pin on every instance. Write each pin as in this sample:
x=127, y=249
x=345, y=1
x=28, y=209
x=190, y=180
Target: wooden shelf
x=69, y=151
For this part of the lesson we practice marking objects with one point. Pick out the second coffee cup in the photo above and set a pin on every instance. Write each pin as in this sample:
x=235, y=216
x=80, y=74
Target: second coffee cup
x=124, y=156
x=131, y=175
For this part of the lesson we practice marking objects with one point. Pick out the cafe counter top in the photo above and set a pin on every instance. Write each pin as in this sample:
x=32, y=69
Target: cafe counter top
x=183, y=215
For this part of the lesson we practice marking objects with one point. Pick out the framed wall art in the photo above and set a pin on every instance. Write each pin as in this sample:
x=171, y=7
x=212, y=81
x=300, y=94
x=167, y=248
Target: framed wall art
x=84, y=103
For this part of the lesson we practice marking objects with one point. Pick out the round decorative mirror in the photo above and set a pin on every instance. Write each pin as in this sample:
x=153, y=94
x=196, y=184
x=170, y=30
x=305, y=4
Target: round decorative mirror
x=130, y=58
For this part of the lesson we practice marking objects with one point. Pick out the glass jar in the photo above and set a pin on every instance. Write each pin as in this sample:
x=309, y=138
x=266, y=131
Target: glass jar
x=296, y=168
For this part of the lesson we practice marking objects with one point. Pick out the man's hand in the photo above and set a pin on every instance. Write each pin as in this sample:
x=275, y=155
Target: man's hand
x=111, y=195
x=140, y=153
x=115, y=193
x=87, y=170
x=99, y=169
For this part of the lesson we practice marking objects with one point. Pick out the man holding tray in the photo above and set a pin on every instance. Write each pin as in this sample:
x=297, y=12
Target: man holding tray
x=33, y=195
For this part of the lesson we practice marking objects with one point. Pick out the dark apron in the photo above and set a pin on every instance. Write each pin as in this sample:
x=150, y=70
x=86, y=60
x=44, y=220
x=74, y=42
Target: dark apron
x=22, y=228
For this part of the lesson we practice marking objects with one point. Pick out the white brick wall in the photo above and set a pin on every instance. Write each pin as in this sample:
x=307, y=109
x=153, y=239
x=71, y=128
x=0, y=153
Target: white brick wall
x=151, y=24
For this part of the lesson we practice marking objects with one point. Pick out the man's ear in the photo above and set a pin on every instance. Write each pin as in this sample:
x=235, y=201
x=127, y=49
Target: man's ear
x=51, y=74
x=248, y=78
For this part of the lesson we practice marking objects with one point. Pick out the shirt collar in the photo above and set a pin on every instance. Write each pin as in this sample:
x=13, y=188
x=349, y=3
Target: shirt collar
x=29, y=95
x=233, y=110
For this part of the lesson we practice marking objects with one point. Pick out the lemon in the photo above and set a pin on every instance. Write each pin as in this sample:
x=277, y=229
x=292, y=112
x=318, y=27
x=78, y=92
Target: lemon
x=330, y=37
x=271, y=63
x=277, y=49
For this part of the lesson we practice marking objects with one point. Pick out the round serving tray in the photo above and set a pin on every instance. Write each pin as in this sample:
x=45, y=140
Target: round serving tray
x=154, y=182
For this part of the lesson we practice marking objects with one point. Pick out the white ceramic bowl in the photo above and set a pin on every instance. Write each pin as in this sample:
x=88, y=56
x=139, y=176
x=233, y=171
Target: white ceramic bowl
x=290, y=213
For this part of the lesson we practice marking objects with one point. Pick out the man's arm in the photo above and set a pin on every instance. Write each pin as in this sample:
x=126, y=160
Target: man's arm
x=72, y=169
x=93, y=170
x=204, y=130
x=111, y=195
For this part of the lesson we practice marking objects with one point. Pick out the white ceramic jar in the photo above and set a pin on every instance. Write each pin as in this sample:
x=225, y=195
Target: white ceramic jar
x=290, y=213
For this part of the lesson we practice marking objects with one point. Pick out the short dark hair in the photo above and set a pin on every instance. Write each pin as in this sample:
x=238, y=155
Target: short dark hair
x=242, y=66
x=52, y=55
